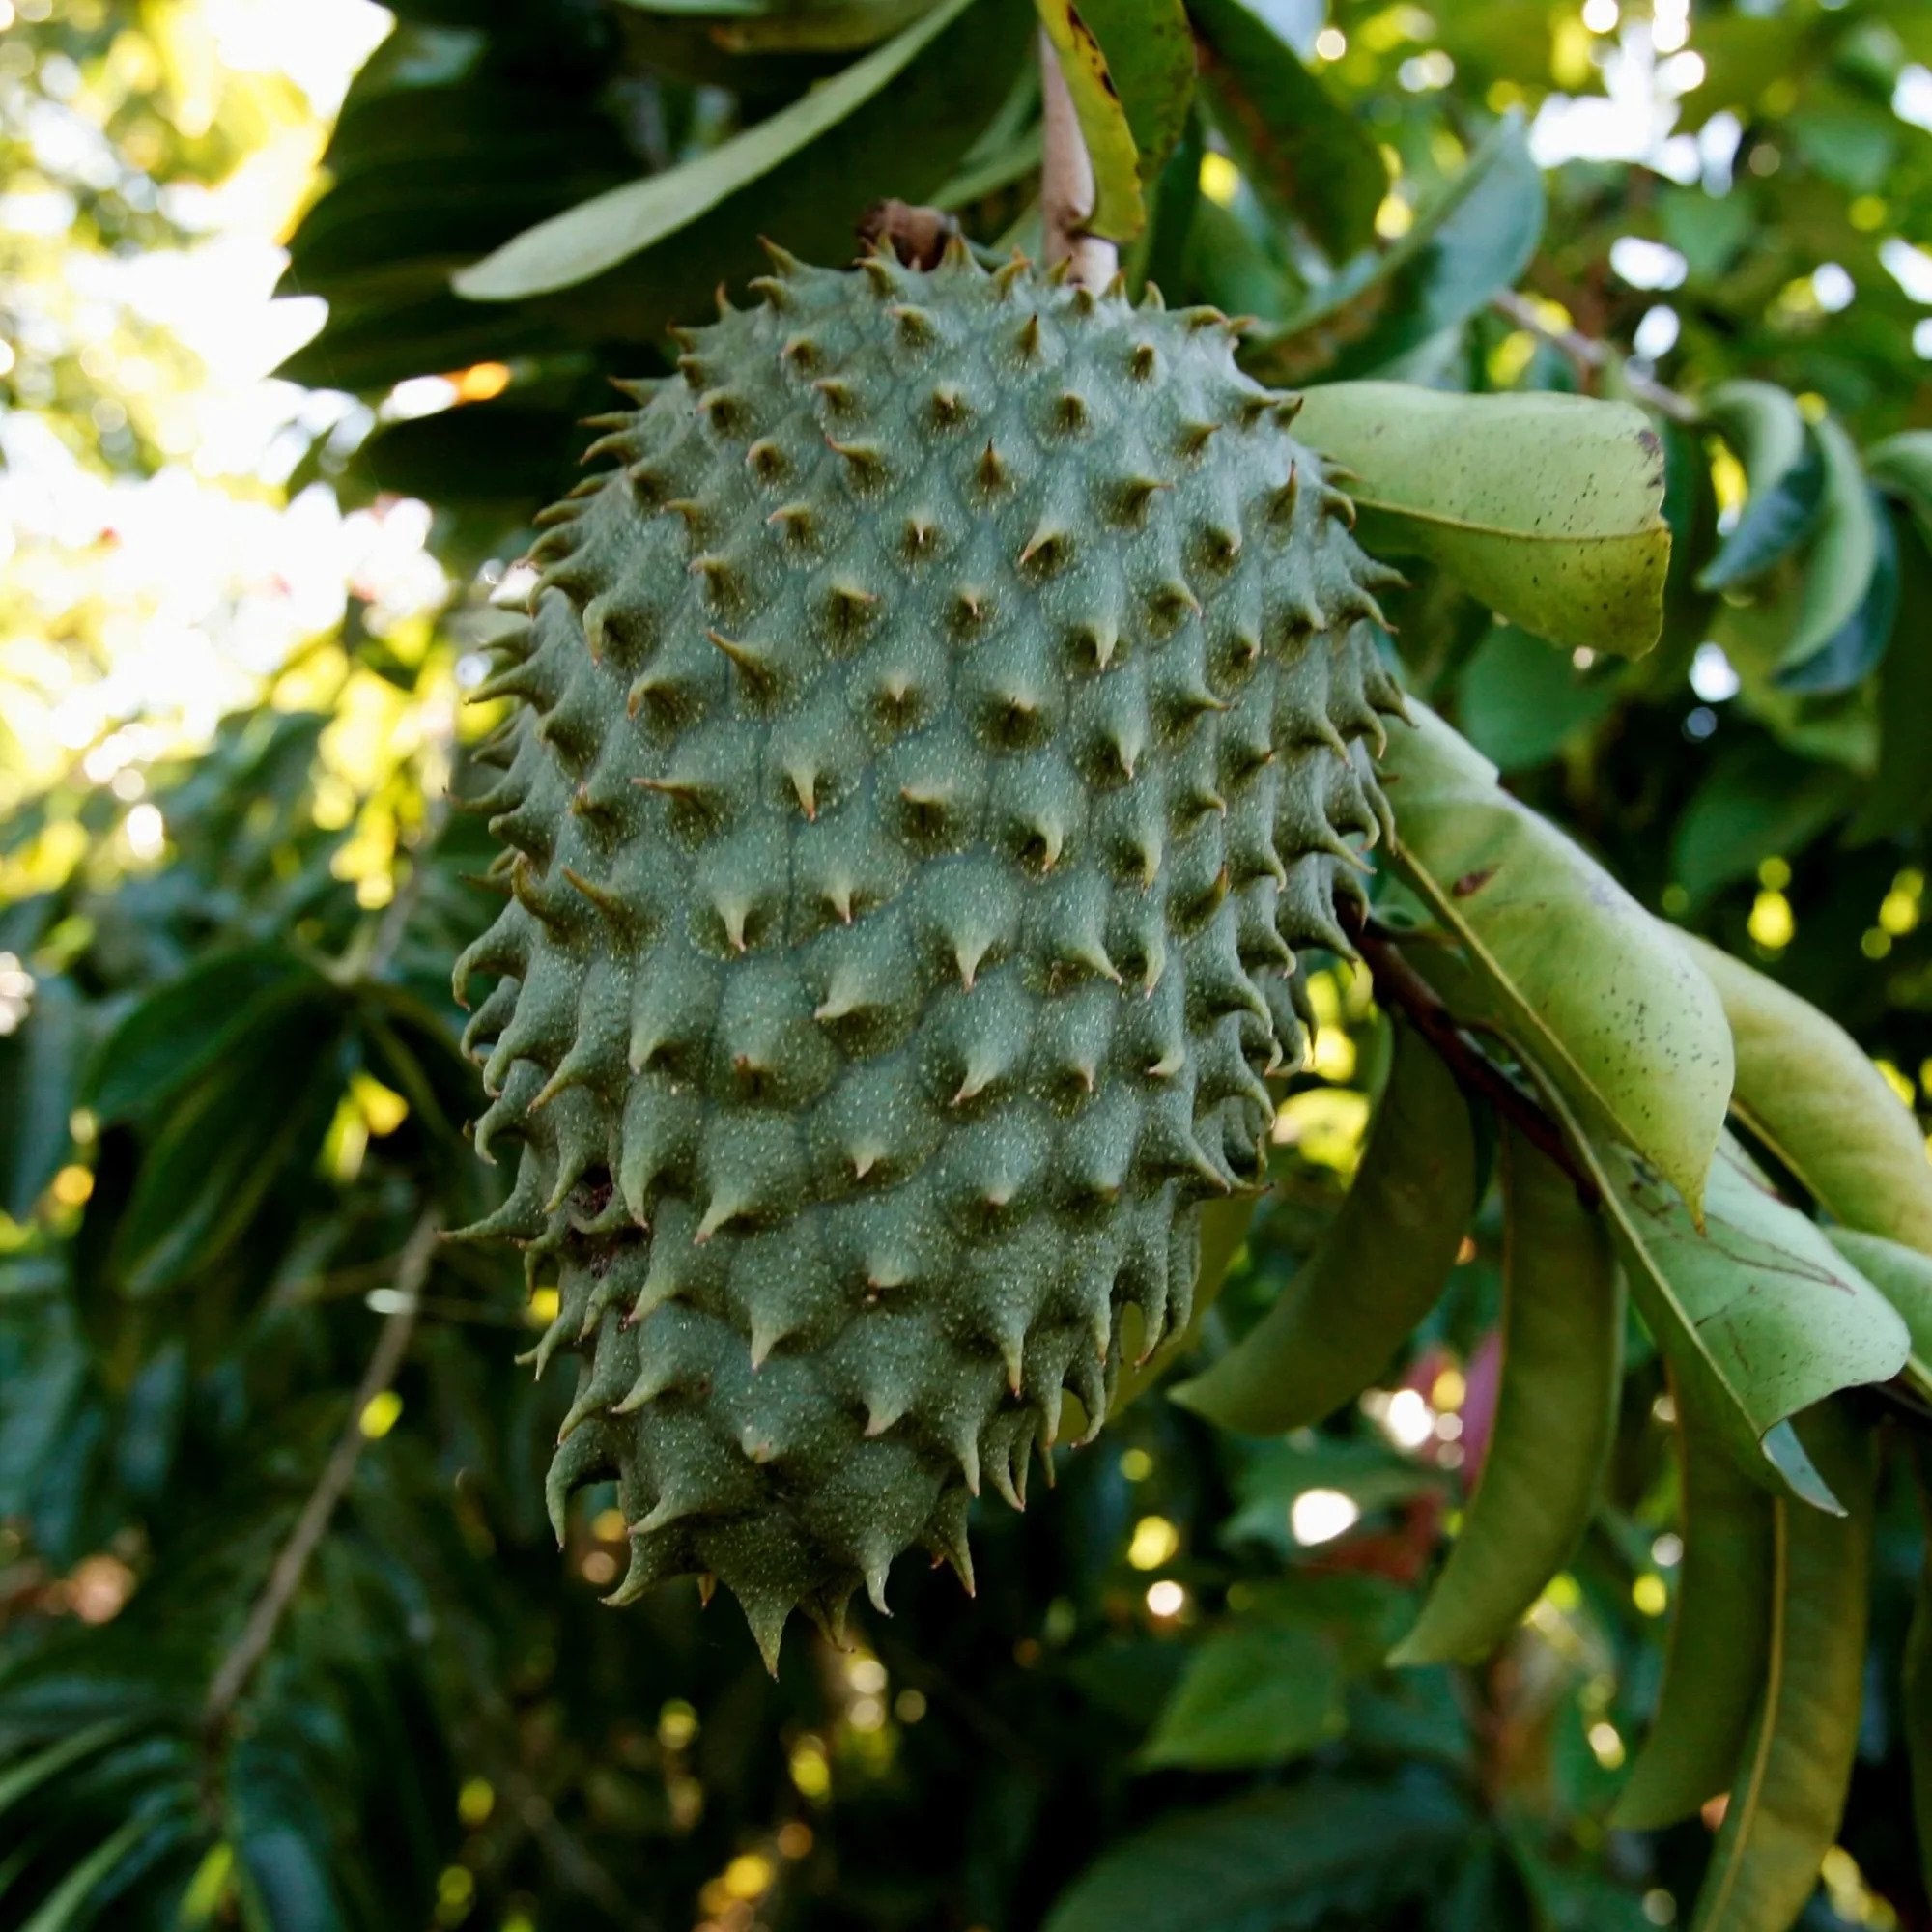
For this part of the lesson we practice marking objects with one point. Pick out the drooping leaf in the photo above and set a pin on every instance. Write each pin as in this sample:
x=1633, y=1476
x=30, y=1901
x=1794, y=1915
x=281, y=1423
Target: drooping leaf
x=1562, y=1372
x=1270, y=1862
x=1473, y=240
x=1307, y=156
x=1898, y=798
x=1610, y=1006
x=1719, y=1631
x=40, y=1063
x=596, y=234
x=1904, y=1277
x=1118, y=212
x=1548, y=508
x=1789, y=1791
x=1256, y=1693
x=1758, y=1314
x=1784, y=473
x=1843, y=552
x=1856, y=649
x=1807, y=1091
x=1377, y=1269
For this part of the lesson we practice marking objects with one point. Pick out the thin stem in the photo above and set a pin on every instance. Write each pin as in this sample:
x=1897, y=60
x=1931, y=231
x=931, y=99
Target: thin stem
x=1067, y=184
x=1401, y=989
x=238, y=1667
x=1591, y=357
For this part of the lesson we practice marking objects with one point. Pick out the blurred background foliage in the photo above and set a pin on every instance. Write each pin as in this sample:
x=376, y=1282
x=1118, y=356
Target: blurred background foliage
x=238, y=616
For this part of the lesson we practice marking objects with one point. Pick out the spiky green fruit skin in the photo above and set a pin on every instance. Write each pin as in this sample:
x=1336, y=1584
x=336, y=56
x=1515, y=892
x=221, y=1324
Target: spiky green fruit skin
x=934, y=736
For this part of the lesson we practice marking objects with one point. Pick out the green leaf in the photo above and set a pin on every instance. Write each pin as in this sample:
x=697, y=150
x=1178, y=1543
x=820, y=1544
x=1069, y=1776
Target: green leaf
x=189, y=1023
x=1254, y=1694
x=1843, y=553
x=1224, y=1227
x=1118, y=212
x=214, y=1156
x=21, y=1780
x=1902, y=465
x=1605, y=1001
x=40, y=1064
x=1899, y=797
x=1557, y=1416
x=1853, y=651
x=65, y=1905
x=1757, y=802
x=1915, y=1714
x=1470, y=243
x=1375, y=1274
x=1719, y=1631
x=1148, y=48
x=1809, y=1093
x=1904, y=1277
x=1270, y=1862
x=1306, y=156
x=1519, y=702
x=1548, y=508
x=1788, y=1793
x=1784, y=476
x=827, y=27
x=1757, y=1312
x=596, y=234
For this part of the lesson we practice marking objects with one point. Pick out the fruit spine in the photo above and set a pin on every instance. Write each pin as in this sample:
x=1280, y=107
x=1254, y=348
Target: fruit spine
x=933, y=737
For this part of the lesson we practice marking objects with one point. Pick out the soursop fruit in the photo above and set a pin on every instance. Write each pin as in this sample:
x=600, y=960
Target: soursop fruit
x=935, y=736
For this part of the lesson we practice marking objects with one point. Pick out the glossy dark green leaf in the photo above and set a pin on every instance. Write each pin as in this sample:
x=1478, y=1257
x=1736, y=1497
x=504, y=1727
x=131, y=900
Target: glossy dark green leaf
x=1271, y=1862
x=214, y=1156
x=1555, y=1420
x=1378, y=1269
x=1898, y=797
x=1788, y=1790
x=1856, y=649
x=1784, y=473
x=596, y=234
x=1519, y=702
x=1256, y=1693
x=40, y=1064
x=189, y=1023
x=1719, y=1633
x=1468, y=244
x=1307, y=155
x=1757, y=802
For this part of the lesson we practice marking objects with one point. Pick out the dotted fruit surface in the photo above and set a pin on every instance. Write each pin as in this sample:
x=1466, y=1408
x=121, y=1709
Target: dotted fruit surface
x=933, y=737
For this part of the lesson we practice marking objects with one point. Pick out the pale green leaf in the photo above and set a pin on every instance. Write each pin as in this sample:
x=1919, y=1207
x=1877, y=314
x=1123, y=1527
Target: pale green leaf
x=1548, y=508
x=1606, y=1001
x=1806, y=1088
x=1904, y=1277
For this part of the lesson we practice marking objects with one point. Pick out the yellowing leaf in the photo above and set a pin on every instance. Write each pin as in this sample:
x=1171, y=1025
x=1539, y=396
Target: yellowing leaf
x=1119, y=214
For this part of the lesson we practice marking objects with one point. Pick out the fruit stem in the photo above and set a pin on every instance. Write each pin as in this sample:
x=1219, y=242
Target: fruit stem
x=1067, y=184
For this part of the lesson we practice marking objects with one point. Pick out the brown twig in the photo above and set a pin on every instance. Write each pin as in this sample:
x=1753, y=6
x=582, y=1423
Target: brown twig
x=1591, y=357
x=230, y=1678
x=1403, y=990
x=1066, y=191
x=917, y=234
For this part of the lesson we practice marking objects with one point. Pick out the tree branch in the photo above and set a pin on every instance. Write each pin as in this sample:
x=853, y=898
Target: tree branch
x=1403, y=990
x=236, y=1670
x=1066, y=189
x=1591, y=357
